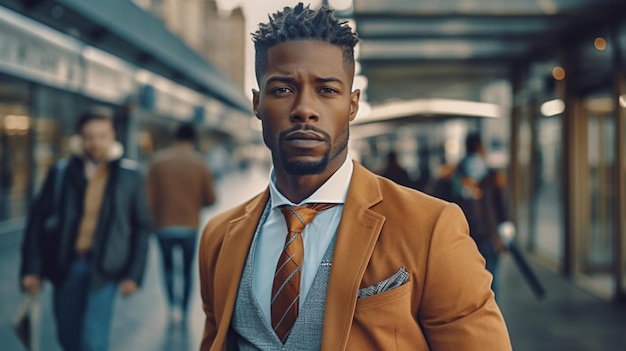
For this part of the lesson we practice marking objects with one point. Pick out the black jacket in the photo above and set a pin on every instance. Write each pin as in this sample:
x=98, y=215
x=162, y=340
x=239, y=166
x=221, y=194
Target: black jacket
x=121, y=238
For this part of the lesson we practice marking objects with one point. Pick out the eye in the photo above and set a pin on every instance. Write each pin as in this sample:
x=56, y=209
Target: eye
x=328, y=90
x=281, y=90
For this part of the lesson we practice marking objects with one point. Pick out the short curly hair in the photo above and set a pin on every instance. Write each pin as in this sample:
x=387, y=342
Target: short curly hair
x=302, y=23
x=95, y=113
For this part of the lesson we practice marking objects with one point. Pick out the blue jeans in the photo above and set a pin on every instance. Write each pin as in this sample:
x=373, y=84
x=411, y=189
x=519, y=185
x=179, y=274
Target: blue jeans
x=185, y=238
x=83, y=314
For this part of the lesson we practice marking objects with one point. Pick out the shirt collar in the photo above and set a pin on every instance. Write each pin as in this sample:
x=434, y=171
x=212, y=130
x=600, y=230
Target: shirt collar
x=334, y=190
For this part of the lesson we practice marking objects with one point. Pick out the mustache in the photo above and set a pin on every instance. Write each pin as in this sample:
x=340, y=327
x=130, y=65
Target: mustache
x=303, y=127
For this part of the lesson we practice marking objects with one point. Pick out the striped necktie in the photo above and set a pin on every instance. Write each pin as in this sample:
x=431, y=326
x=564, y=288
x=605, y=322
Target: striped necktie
x=286, y=287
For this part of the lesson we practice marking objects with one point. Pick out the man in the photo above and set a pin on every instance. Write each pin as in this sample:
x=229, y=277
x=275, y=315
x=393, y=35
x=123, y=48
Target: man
x=385, y=267
x=100, y=244
x=480, y=192
x=179, y=185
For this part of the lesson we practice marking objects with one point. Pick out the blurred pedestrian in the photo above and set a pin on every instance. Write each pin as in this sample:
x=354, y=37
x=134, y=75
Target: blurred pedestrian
x=331, y=256
x=393, y=170
x=423, y=165
x=481, y=193
x=440, y=186
x=179, y=185
x=87, y=232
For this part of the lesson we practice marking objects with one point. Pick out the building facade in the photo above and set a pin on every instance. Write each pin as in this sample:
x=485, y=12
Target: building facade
x=218, y=36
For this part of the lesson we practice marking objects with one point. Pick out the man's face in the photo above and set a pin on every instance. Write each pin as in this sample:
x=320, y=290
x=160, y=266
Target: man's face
x=97, y=137
x=305, y=105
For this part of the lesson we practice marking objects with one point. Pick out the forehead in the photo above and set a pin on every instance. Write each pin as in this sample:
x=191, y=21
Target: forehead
x=307, y=57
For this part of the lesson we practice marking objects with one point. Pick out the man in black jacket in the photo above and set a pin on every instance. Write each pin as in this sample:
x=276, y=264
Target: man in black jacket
x=88, y=234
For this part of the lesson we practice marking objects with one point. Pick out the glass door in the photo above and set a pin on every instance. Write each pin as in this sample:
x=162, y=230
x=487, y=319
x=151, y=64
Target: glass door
x=546, y=215
x=595, y=252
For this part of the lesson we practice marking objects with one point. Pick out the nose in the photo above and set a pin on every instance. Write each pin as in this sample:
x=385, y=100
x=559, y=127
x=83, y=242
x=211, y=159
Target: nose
x=305, y=107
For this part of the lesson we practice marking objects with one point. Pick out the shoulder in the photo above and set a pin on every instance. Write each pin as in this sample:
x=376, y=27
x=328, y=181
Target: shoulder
x=216, y=229
x=414, y=205
x=238, y=212
x=128, y=169
x=160, y=156
x=172, y=157
x=380, y=193
x=407, y=212
x=196, y=158
x=394, y=195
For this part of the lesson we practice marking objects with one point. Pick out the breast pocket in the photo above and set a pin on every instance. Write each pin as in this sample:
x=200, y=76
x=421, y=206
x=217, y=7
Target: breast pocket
x=385, y=322
x=396, y=298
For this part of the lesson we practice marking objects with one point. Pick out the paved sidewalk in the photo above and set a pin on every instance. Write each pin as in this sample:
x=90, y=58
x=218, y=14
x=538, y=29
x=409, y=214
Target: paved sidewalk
x=568, y=319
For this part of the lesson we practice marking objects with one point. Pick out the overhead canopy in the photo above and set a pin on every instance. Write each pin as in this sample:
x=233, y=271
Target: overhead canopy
x=125, y=30
x=451, y=48
x=428, y=109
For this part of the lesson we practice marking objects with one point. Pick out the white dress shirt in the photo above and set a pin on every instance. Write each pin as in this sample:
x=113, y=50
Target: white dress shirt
x=316, y=236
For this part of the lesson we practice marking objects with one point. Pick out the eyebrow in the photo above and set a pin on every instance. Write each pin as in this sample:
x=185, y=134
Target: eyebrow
x=288, y=79
x=328, y=80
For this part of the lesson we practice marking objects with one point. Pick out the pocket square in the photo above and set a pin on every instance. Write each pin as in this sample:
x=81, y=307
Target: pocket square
x=397, y=279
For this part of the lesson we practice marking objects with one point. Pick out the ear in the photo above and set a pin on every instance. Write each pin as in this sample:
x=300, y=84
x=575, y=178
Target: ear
x=255, y=103
x=354, y=103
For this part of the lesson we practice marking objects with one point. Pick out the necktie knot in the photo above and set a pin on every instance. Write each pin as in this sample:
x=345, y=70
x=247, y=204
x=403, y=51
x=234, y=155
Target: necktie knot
x=298, y=217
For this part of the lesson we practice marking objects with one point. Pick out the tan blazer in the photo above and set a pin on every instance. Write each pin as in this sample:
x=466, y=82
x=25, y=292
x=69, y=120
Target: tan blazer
x=447, y=303
x=178, y=186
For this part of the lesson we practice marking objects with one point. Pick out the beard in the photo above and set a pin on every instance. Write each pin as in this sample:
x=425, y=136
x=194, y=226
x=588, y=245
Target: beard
x=302, y=168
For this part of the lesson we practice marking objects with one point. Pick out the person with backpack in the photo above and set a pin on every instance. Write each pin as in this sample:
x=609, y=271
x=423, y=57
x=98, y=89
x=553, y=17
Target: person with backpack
x=480, y=192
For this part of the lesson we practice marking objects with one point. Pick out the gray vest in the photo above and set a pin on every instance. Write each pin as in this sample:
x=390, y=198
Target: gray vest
x=251, y=331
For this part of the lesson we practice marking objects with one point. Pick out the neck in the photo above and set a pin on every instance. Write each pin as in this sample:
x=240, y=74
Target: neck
x=184, y=144
x=93, y=160
x=298, y=187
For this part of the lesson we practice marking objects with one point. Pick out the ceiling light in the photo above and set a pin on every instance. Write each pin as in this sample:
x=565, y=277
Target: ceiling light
x=600, y=43
x=558, y=73
x=552, y=107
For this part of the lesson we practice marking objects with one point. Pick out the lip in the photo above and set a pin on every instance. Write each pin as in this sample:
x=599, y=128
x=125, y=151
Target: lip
x=300, y=135
x=304, y=140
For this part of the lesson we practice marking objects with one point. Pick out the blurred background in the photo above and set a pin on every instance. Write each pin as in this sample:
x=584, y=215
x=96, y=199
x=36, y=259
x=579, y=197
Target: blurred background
x=542, y=81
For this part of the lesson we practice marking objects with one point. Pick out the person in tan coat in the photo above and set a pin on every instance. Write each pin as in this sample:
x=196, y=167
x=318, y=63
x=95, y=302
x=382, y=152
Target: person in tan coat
x=370, y=265
x=179, y=185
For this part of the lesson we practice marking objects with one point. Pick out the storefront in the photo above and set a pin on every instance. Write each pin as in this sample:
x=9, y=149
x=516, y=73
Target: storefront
x=569, y=150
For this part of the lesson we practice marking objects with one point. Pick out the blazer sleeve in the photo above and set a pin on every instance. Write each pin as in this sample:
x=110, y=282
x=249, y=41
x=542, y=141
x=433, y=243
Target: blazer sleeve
x=206, y=260
x=458, y=310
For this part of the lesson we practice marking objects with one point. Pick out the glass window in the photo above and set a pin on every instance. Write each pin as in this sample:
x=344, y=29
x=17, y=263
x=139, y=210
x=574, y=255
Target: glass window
x=15, y=148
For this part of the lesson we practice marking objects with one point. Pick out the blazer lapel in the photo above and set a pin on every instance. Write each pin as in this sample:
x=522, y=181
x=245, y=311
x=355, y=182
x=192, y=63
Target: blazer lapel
x=233, y=254
x=356, y=237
